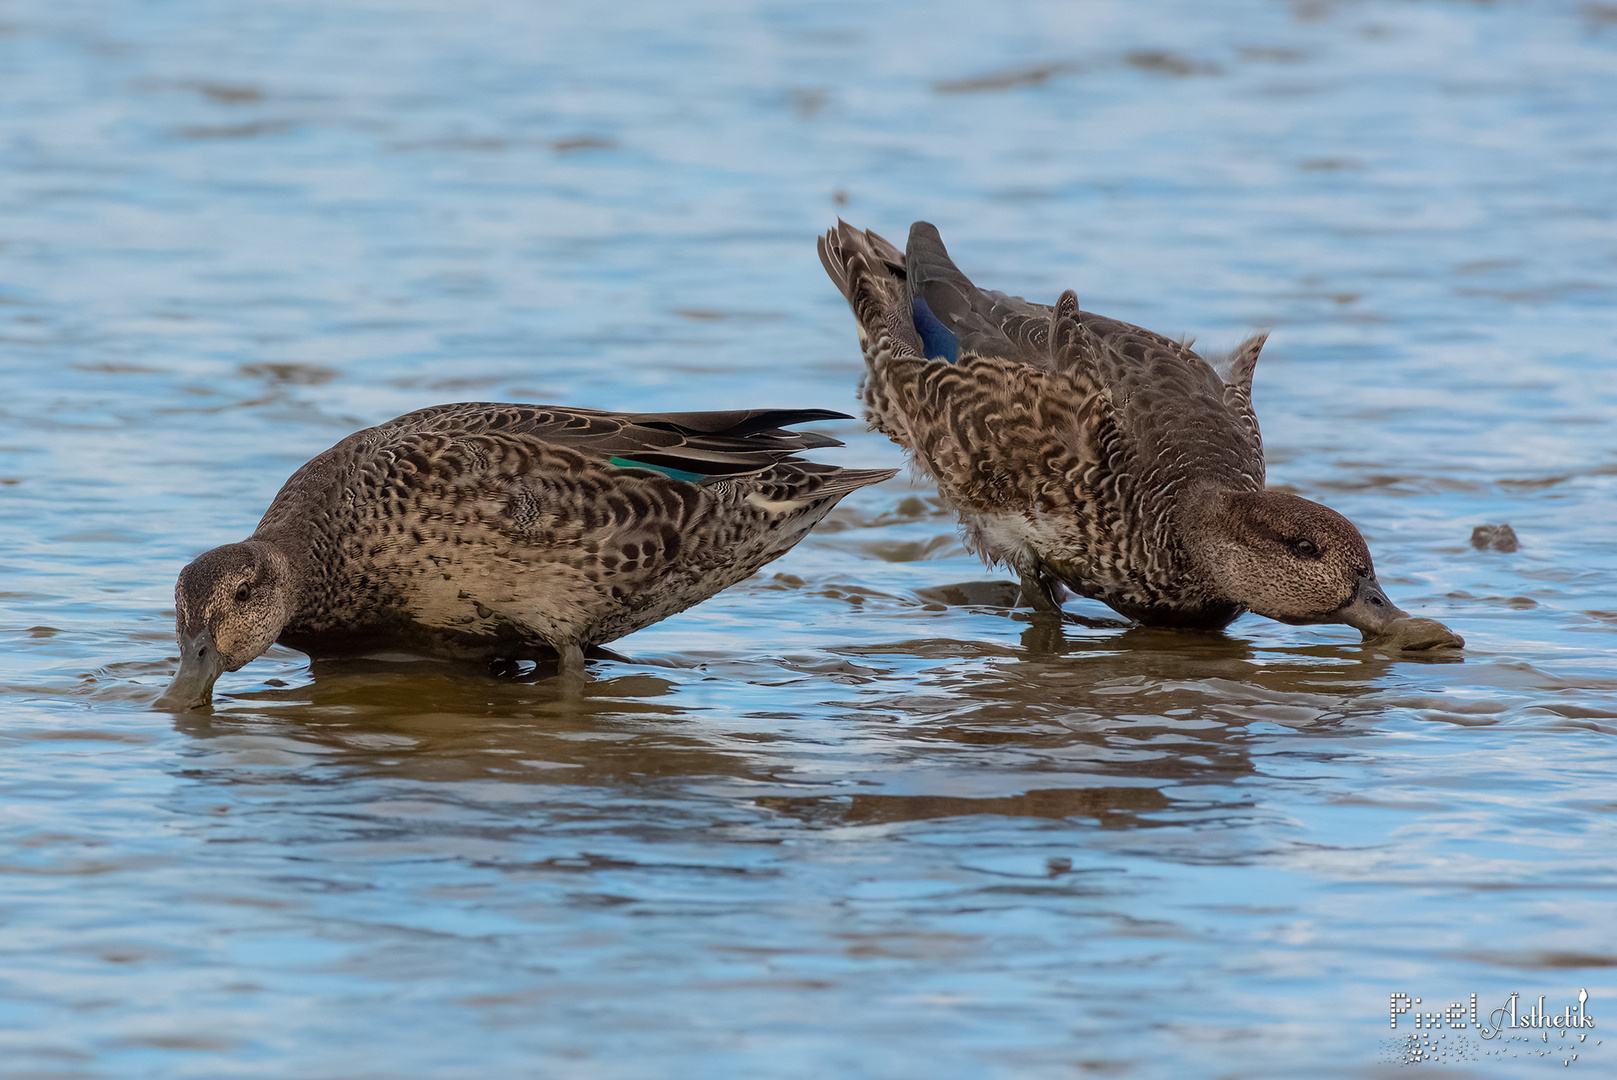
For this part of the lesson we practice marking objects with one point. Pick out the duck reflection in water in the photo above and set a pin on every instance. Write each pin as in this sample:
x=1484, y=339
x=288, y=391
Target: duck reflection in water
x=1090, y=454
x=1108, y=726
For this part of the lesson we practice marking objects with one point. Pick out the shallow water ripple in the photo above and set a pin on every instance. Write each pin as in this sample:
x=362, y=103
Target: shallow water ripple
x=856, y=816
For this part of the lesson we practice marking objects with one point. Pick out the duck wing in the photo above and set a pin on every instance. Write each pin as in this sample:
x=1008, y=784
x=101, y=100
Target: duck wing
x=955, y=372
x=698, y=447
x=1166, y=402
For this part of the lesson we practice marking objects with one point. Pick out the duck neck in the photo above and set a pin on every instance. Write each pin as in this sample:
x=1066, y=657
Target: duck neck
x=1208, y=531
x=294, y=565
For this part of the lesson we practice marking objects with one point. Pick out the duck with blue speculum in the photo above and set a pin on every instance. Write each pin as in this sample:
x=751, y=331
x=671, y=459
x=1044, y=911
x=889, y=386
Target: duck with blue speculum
x=484, y=531
x=1094, y=455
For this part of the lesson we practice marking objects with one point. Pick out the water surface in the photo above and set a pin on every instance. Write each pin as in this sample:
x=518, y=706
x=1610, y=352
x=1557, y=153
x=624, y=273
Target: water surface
x=854, y=817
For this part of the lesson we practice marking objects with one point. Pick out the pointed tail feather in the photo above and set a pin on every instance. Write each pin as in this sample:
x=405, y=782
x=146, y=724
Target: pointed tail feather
x=869, y=272
x=1244, y=361
x=849, y=480
x=1238, y=389
x=841, y=243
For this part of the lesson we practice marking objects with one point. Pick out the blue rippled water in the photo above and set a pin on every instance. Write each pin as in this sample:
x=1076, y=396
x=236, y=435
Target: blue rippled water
x=842, y=820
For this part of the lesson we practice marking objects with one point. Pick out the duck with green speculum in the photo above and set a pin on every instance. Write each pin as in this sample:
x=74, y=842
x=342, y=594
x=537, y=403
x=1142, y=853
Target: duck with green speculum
x=483, y=531
x=1090, y=454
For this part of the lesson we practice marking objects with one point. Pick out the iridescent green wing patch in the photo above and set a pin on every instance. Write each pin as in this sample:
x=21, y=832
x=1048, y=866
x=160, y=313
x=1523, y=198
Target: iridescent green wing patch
x=666, y=470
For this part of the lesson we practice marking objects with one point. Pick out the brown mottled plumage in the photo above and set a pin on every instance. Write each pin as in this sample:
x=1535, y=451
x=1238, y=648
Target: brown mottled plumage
x=1086, y=452
x=492, y=531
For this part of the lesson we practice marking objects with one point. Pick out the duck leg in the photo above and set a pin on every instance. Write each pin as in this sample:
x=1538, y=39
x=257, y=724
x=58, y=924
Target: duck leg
x=1041, y=593
x=1044, y=594
x=1094, y=623
x=572, y=663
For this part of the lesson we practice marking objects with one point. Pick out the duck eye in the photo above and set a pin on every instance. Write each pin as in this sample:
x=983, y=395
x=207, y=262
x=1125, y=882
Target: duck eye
x=1306, y=548
x=242, y=594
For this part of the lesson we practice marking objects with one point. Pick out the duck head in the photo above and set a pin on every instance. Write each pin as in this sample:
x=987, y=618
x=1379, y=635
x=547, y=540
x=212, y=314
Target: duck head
x=1295, y=561
x=230, y=605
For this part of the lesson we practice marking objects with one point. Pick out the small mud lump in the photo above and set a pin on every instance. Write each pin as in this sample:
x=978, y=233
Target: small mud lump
x=1493, y=538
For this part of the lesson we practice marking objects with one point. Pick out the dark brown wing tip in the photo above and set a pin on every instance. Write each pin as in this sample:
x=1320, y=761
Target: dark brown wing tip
x=812, y=440
x=738, y=423
x=804, y=416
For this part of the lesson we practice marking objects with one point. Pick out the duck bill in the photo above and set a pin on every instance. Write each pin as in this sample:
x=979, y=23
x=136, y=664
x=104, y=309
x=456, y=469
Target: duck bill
x=1385, y=626
x=200, y=666
x=1368, y=610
